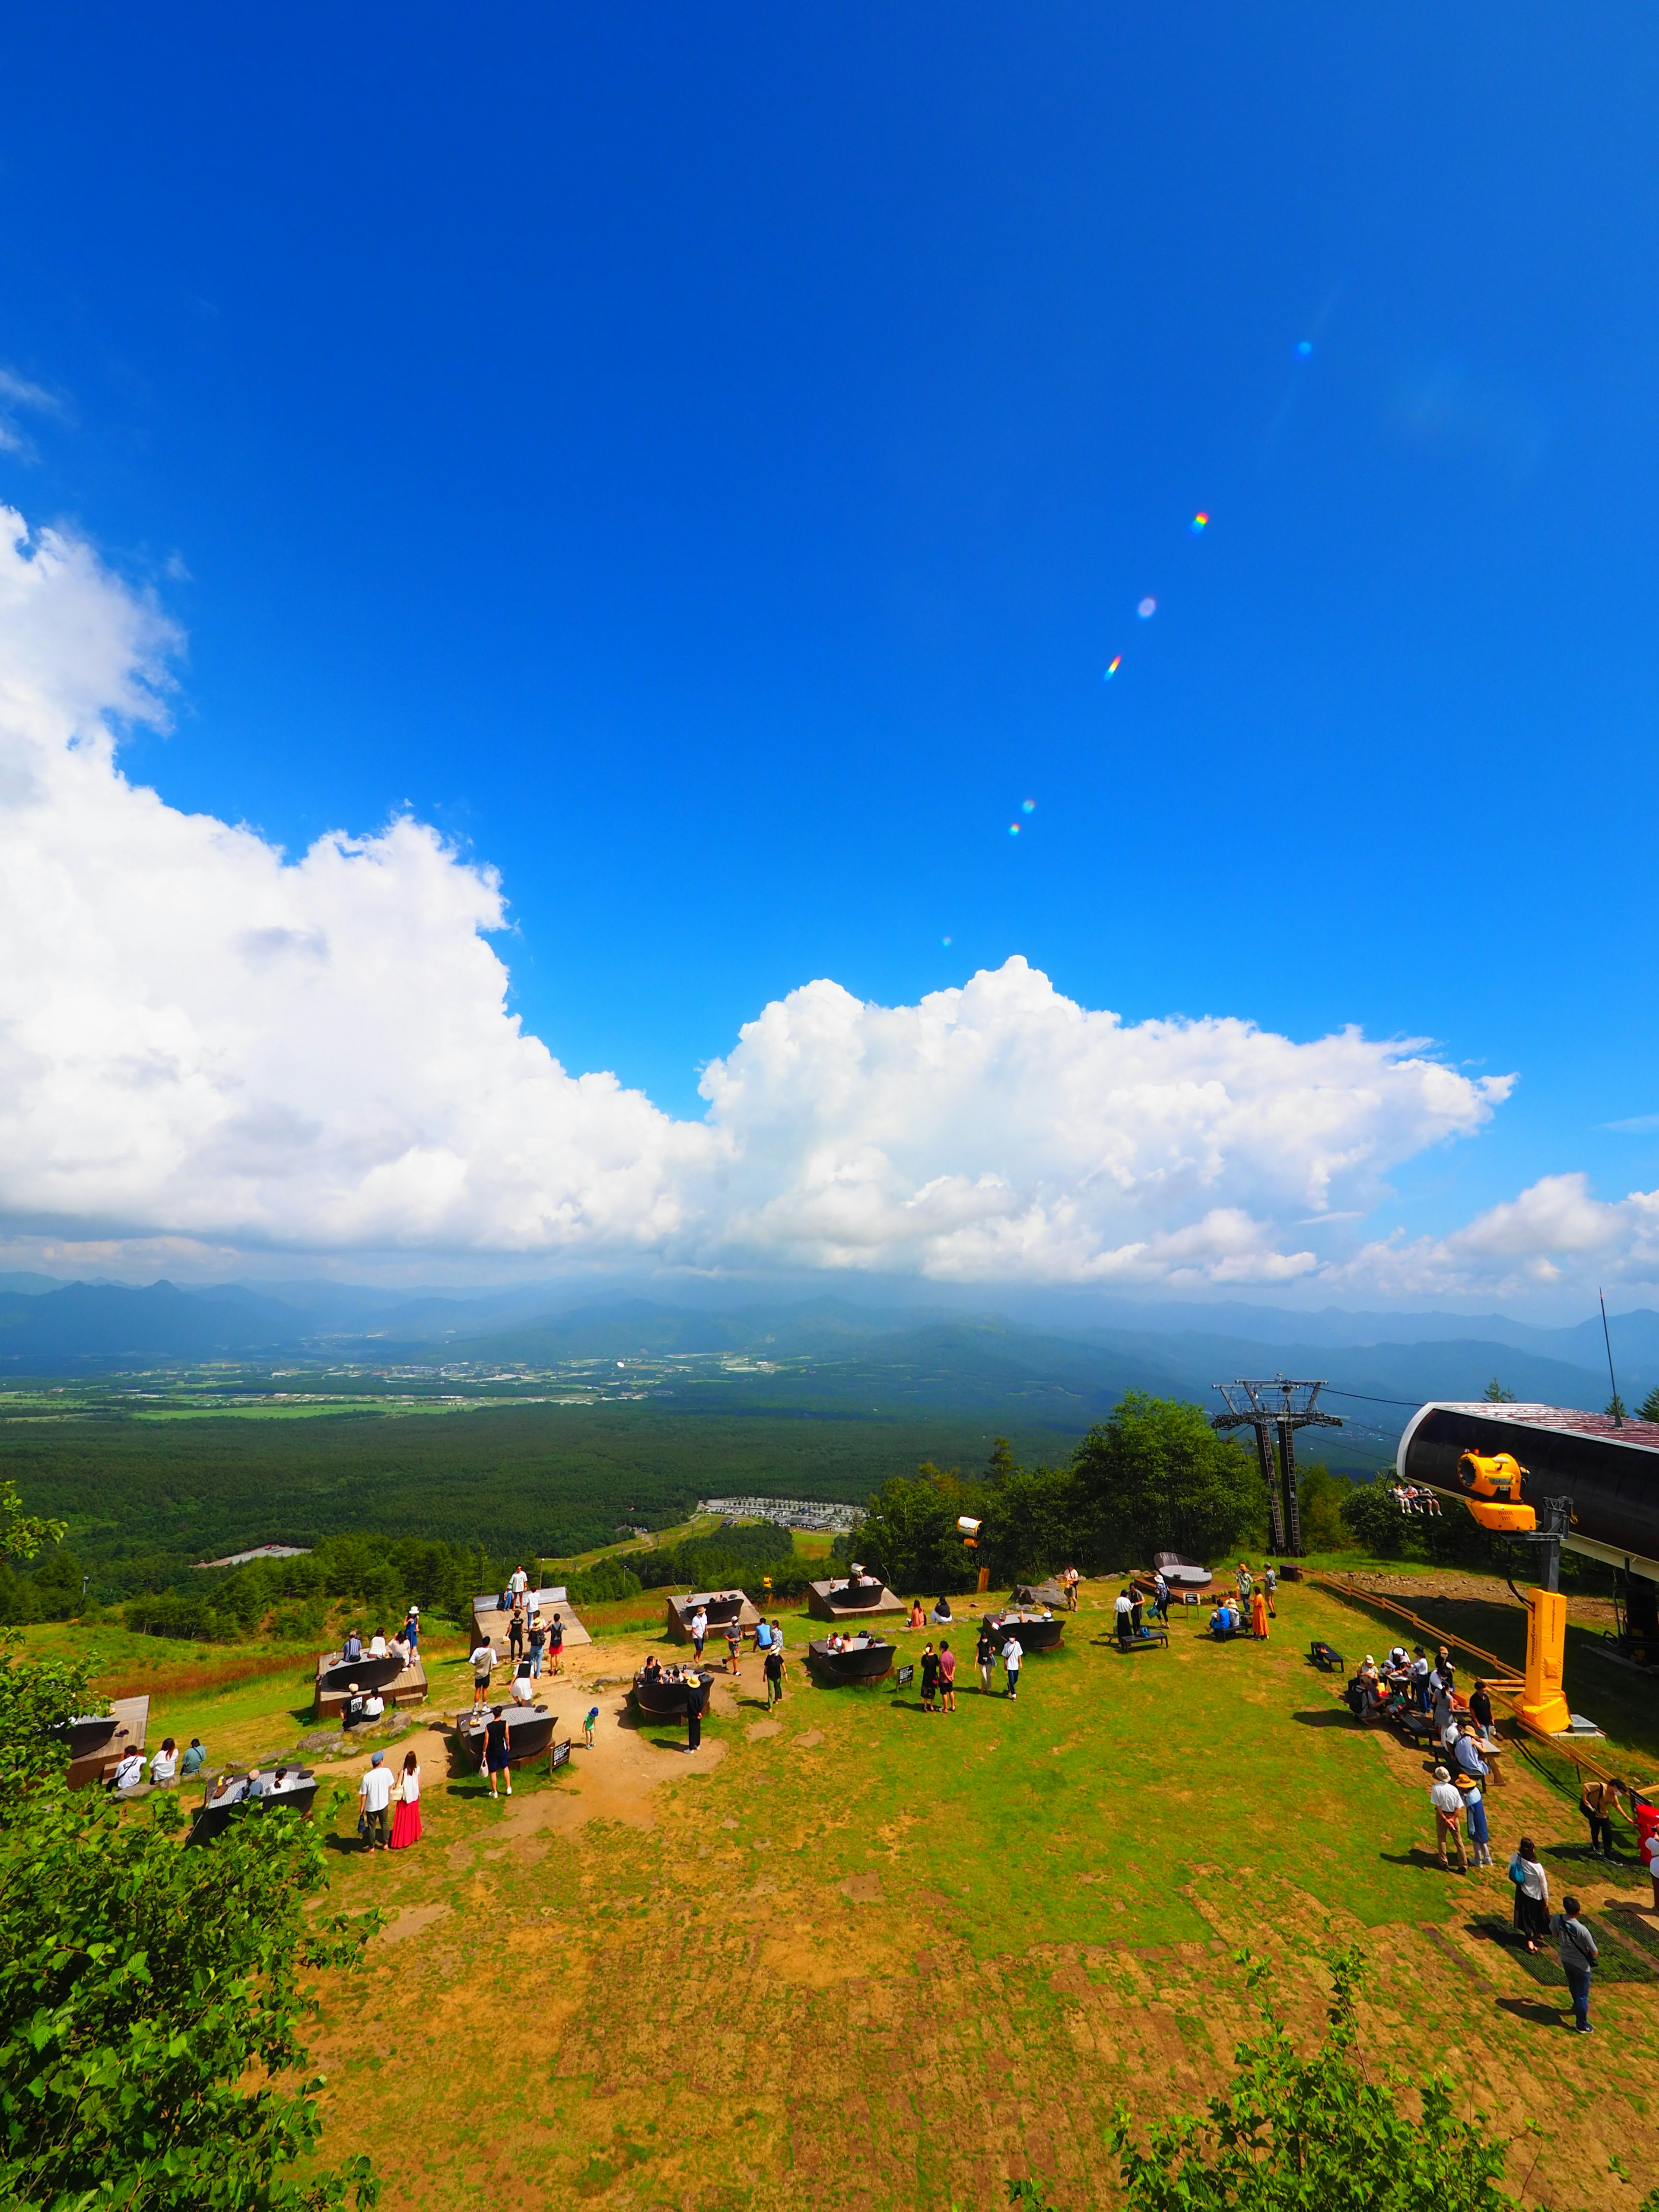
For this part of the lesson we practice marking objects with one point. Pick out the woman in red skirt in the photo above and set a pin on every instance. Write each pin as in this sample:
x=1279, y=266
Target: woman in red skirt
x=406, y=1821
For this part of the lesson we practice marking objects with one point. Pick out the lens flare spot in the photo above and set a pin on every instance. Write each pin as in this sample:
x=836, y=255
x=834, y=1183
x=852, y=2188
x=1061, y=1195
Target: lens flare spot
x=1147, y=609
x=1117, y=663
x=1013, y=829
x=944, y=940
x=1199, y=524
x=1305, y=349
x=1028, y=806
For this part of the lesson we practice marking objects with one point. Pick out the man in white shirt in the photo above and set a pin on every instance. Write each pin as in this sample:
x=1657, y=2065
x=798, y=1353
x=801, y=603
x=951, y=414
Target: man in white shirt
x=1448, y=1802
x=699, y=1630
x=374, y=1791
x=1013, y=1653
x=129, y=1773
x=518, y=1582
x=484, y=1664
x=1123, y=1607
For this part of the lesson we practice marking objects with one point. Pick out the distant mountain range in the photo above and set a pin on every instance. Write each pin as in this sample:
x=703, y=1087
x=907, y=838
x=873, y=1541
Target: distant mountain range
x=1377, y=1365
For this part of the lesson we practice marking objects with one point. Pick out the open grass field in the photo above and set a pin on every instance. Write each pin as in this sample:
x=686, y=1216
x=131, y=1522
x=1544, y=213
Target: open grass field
x=855, y=1954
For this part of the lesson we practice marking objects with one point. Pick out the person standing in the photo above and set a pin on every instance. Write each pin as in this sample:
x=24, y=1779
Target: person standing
x=1578, y=1955
x=763, y=1634
x=1013, y=1653
x=515, y=1631
x=985, y=1657
x=484, y=1666
x=556, y=1645
x=733, y=1642
x=929, y=1679
x=406, y=1821
x=498, y=1749
x=1259, y=1615
x=696, y=1697
x=1532, y=1893
x=1419, y=1674
x=518, y=1583
x=1480, y=1707
x=947, y=1676
x=1447, y=1805
x=1122, y=1608
x=1598, y=1802
x=1270, y=1584
x=1474, y=1809
x=1071, y=1578
x=773, y=1670
x=375, y=1794
x=412, y=1630
x=537, y=1644
x=589, y=1723
x=699, y=1630
x=1162, y=1602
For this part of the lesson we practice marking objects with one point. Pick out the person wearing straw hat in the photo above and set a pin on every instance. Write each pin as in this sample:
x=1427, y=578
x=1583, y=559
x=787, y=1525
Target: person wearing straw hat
x=1448, y=1804
x=1474, y=1811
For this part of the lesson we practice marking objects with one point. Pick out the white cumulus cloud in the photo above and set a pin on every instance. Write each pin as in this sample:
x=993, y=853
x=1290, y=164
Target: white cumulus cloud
x=202, y=1038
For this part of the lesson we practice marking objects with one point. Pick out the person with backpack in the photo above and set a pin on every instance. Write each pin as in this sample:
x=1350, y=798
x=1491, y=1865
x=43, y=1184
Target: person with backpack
x=1532, y=1892
x=1578, y=1955
x=556, y=1645
x=773, y=1670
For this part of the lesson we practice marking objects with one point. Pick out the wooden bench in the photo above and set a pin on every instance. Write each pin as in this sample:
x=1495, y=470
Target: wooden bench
x=1326, y=1659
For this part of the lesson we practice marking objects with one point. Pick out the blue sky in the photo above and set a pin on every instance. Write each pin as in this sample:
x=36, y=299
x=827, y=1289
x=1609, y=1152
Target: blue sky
x=703, y=460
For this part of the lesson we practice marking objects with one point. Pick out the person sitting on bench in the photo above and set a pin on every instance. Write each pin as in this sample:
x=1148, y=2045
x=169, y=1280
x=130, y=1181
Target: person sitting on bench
x=352, y=1715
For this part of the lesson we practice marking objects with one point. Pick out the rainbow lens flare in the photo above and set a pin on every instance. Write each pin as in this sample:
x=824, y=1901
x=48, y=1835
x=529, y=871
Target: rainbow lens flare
x=1147, y=608
x=1117, y=663
x=1028, y=806
x=1199, y=524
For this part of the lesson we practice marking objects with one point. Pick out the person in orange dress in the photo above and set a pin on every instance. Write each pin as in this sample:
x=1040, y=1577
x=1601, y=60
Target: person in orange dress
x=1258, y=1613
x=406, y=1821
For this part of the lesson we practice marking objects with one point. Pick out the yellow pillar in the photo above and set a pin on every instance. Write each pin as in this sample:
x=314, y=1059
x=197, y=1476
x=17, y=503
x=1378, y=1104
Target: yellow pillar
x=1543, y=1706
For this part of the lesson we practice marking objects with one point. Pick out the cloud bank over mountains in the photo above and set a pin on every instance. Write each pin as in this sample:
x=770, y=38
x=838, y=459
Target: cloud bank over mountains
x=205, y=1045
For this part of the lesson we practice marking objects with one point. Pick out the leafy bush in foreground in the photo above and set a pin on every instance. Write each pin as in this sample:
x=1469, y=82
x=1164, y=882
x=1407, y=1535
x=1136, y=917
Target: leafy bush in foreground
x=145, y=1989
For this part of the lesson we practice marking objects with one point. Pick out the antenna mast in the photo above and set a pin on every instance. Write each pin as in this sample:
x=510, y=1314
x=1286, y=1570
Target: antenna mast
x=1617, y=1417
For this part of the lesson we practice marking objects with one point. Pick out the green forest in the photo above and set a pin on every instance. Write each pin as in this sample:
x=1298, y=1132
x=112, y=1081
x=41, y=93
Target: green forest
x=551, y=1480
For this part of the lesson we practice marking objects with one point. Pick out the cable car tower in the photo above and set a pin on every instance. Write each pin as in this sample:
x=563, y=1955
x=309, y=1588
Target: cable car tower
x=1285, y=1407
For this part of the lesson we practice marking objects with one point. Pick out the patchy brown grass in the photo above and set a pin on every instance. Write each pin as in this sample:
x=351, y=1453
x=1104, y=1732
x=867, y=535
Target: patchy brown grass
x=876, y=1959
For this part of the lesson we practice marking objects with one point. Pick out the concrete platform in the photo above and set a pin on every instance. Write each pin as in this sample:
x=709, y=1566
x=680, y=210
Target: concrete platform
x=407, y=1687
x=821, y=1604
x=718, y=1604
x=96, y=1745
x=492, y=1620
